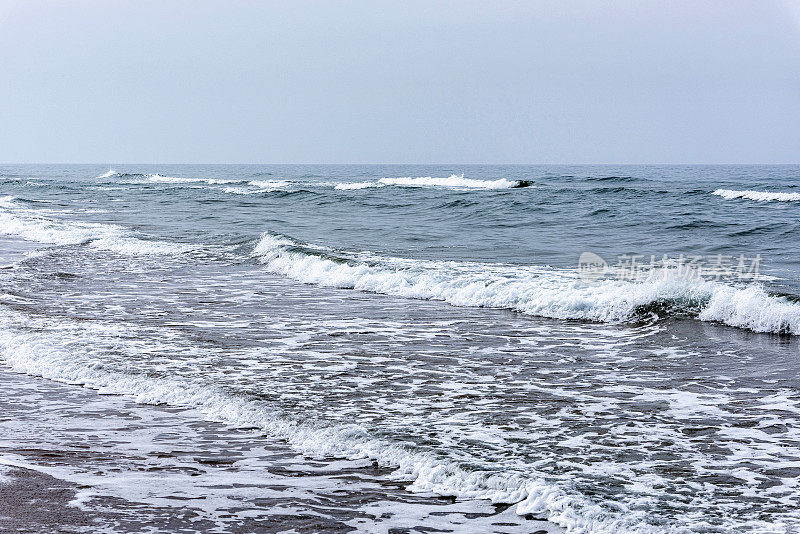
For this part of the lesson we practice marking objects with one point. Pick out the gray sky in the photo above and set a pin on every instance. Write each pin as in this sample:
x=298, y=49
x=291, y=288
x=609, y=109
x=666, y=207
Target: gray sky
x=400, y=82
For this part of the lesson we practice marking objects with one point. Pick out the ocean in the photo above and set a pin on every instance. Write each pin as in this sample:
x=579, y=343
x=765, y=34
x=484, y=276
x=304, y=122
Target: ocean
x=375, y=348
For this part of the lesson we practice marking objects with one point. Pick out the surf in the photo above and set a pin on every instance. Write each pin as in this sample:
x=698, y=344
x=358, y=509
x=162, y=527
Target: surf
x=533, y=290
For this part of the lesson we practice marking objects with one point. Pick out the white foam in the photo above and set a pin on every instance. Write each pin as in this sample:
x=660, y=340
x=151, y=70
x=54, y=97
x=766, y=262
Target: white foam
x=51, y=358
x=107, y=174
x=132, y=246
x=5, y=468
x=752, y=308
x=177, y=180
x=540, y=291
x=29, y=225
x=345, y=186
x=758, y=196
x=453, y=181
x=269, y=184
x=256, y=187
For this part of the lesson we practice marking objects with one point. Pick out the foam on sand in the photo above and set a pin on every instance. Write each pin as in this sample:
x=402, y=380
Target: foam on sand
x=533, y=290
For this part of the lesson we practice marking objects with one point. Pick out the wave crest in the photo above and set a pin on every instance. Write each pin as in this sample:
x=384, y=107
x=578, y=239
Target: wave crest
x=31, y=226
x=533, y=290
x=157, y=178
x=758, y=196
x=345, y=186
x=454, y=181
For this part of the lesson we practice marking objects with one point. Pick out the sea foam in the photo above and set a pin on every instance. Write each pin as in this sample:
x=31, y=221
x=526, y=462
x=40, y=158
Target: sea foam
x=345, y=186
x=758, y=196
x=533, y=290
x=32, y=226
x=179, y=180
x=161, y=179
x=50, y=357
x=453, y=181
x=269, y=184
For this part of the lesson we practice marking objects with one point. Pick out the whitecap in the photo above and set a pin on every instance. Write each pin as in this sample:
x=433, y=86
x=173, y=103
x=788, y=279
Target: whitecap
x=107, y=174
x=178, y=180
x=533, y=290
x=758, y=196
x=269, y=184
x=31, y=226
x=453, y=181
x=344, y=186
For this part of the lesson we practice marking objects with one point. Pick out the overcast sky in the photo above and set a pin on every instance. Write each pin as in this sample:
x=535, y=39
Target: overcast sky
x=400, y=82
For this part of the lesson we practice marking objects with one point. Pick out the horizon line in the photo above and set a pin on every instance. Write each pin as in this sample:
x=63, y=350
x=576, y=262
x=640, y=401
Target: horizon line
x=387, y=164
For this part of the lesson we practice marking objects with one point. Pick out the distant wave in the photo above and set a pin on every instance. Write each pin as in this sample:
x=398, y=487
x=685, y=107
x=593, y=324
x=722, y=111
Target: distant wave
x=258, y=186
x=356, y=185
x=758, y=196
x=614, y=179
x=539, y=291
x=269, y=184
x=240, y=190
x=159, y=178
x=247, y=186
x=241, y=186
x=177, y=180
x=454, y=181
x=32, y=226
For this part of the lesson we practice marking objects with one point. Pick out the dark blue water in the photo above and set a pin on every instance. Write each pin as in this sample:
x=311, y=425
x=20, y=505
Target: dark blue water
x=432, y=319
x=568, y=210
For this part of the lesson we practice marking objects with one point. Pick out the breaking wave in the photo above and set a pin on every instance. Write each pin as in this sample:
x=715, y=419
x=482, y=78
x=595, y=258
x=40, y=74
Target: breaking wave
x=247, y=186
x=356, y=185
x=32, y=226
x=258, y=186
x=454, y=181
x=161, y=179
x=758, y=196
x=176, y=180
x=533, y=290
x=269, y=184
x=107, y=174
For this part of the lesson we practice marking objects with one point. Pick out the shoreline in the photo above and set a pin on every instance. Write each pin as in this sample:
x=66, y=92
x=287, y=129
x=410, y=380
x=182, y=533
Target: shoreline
x=73, y=460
